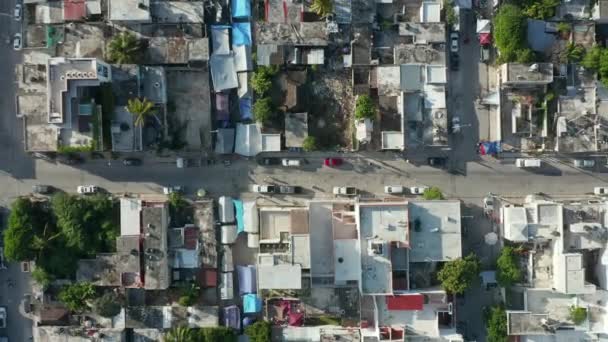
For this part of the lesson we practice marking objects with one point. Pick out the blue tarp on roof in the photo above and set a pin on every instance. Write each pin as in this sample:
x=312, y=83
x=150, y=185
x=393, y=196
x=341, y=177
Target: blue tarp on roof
x=238, y=205
x=246, y=276
x=251, y=303
x=241, y=34
x=241, y=8
x=489, y=147
x=245, y=108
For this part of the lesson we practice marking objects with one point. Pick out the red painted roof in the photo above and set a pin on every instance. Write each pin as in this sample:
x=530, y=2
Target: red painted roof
x=74, y=10
x=405, y=302
x=207, y=277
x=190, y=237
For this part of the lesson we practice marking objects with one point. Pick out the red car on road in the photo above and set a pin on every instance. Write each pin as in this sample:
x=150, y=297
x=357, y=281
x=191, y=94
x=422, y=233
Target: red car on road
x=333, y=162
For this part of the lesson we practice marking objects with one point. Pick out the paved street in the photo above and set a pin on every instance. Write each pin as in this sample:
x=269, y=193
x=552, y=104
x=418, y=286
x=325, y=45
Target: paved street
x=15, y=164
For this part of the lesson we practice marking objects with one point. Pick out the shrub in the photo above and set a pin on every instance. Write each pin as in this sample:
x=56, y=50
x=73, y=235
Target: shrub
x=578, y=314
x=509, y=32
x=591, y=60
x=261, y=81
x=365, y=108
x=309, y=144
x=259, y=331
x=432, y=193
x=574, y=52
x=496, y=326
x=507, y=269
x=449, y=12
x=263, y=110
x=76, y=296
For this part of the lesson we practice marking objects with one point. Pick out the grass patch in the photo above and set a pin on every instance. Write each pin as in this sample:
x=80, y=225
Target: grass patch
x=323, y=320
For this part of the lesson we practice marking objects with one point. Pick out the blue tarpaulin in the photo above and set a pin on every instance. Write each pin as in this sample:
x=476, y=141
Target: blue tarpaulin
x=245, y=108
x=241, y=34
x=246, y=276
x=238, y=205
x=251, y=303
x=489, y=147
x=241, y=8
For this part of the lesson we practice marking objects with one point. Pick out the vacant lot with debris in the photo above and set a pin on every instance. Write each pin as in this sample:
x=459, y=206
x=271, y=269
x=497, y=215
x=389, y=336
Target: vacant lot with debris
x=189, y=111
x=331, y=107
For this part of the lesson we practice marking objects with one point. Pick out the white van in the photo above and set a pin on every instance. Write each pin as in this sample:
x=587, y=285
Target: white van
x=527, y=162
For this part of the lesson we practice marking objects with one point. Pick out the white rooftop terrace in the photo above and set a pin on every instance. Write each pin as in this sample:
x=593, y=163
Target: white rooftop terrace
x=380, y=224
x=438, y=237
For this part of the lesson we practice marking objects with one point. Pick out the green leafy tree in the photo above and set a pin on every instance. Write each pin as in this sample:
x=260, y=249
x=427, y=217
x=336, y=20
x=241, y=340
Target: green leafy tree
x=216, y=334
x=507, y=268
x=322, y=7
x=432, y=193
x=263, y=110
x=449, y=12
x=108, y=305
x=140, y=108
x=509, y=32
x=496, y=327
x=42, y=277
x=180, y=334
x=76, y=296
x=541, y=9
x=261, y=81
x=309, y=144
x=70, y=212
x=574, y=53
x=24, y=222
x=591, y=60
x=259, y=331
x=86, y=223
x=365, y=108
x=124, y=48
x=564, y=28
x=457, y=275
x=578, y=314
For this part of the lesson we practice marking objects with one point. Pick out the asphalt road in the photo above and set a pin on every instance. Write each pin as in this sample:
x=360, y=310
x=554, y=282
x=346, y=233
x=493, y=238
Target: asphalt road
x=15, y=164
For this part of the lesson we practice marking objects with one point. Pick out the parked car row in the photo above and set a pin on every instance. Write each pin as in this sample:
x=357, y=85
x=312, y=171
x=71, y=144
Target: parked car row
x=536, y=162
x=398, y=189
x=276, y=189
x=296, y=162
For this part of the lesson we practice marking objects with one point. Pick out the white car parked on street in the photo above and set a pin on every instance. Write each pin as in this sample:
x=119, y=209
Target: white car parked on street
x=394, y=189
x=600, y=190
x=418, y=190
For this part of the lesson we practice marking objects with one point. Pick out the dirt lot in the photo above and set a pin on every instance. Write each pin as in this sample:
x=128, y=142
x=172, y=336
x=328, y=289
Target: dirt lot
x=189, y=106
x=331, y=106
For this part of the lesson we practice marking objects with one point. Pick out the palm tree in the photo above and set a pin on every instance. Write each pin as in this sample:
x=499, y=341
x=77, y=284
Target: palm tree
x=322, y=7
x=179, y=334
x=140, y=108
x=124, y=48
